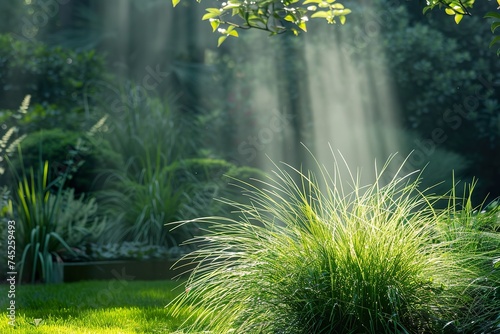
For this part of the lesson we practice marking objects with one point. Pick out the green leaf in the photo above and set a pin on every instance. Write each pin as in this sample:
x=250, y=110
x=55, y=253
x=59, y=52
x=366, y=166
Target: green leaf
x=232, y=32
x=494, y=41
x=341, y=12
x=311, y=1
x=231, y=5
x=493, y=15
x=322, y=14
x=253, y=17
x=496, y=263
x=458, y=18
x=290, y=18
x=212, y=12
x=342, y=19
x=302, y=25
x=221, y=40
x=449, y=11
x=215, y=24
x=175, y=2
x=208, y=16
x=494, y=26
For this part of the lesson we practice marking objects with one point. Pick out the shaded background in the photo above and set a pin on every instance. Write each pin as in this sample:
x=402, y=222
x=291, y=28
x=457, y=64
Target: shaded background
x=390, y=80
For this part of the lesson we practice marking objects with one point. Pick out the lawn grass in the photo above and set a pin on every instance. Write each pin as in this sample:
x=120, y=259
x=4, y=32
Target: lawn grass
x=101, y=307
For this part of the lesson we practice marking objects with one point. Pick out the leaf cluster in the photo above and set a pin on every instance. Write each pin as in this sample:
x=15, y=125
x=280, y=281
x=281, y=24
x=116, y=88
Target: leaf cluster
x=455, y=8
x=494, y=25
x=273, y=16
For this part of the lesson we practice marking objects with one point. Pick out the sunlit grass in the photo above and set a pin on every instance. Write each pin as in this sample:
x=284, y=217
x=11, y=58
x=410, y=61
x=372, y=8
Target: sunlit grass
x=93, y=307
x=312, y=255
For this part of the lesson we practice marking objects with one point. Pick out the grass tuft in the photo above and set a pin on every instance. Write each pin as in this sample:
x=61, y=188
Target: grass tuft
x=314, y=255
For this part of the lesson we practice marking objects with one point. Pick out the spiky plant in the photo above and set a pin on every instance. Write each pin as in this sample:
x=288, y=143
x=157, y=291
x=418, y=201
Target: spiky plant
x=317, y=255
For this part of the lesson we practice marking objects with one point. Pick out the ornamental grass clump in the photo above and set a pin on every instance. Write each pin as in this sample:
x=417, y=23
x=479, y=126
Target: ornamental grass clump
x=314, y=255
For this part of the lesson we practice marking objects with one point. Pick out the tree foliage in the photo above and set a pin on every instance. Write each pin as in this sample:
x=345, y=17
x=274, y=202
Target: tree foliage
x=279, y=16
x=273, y=16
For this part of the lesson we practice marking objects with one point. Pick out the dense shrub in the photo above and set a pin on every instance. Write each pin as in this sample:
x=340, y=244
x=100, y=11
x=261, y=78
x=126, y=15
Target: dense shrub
x=140, y=206
x=447, y=80
x=51, y=75
x=163, y=179
x=58, y=146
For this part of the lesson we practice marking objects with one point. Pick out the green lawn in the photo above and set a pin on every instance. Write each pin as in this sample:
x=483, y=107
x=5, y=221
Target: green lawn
x=112, y=307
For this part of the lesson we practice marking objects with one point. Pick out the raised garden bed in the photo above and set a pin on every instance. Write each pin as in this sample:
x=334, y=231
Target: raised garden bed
x=120, y=269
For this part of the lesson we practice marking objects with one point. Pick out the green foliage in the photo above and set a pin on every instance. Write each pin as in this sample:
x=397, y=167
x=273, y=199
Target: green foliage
x=182, y=190
x=147, y=133
x=160, y=182
x=435, y=63
x=472, y=234
x=78, y=219
x=319, y=256
x=211, y=179
x=36, y=210
x=292, y=15
x=453, y=89
x=5, y=213
x=143, y=194
x=141, y=206
x=494, y=26
x=273, y=16
x=9, y=142
x=452, y=7
x=89, y=156
x=51, y=75
x=50, y=219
